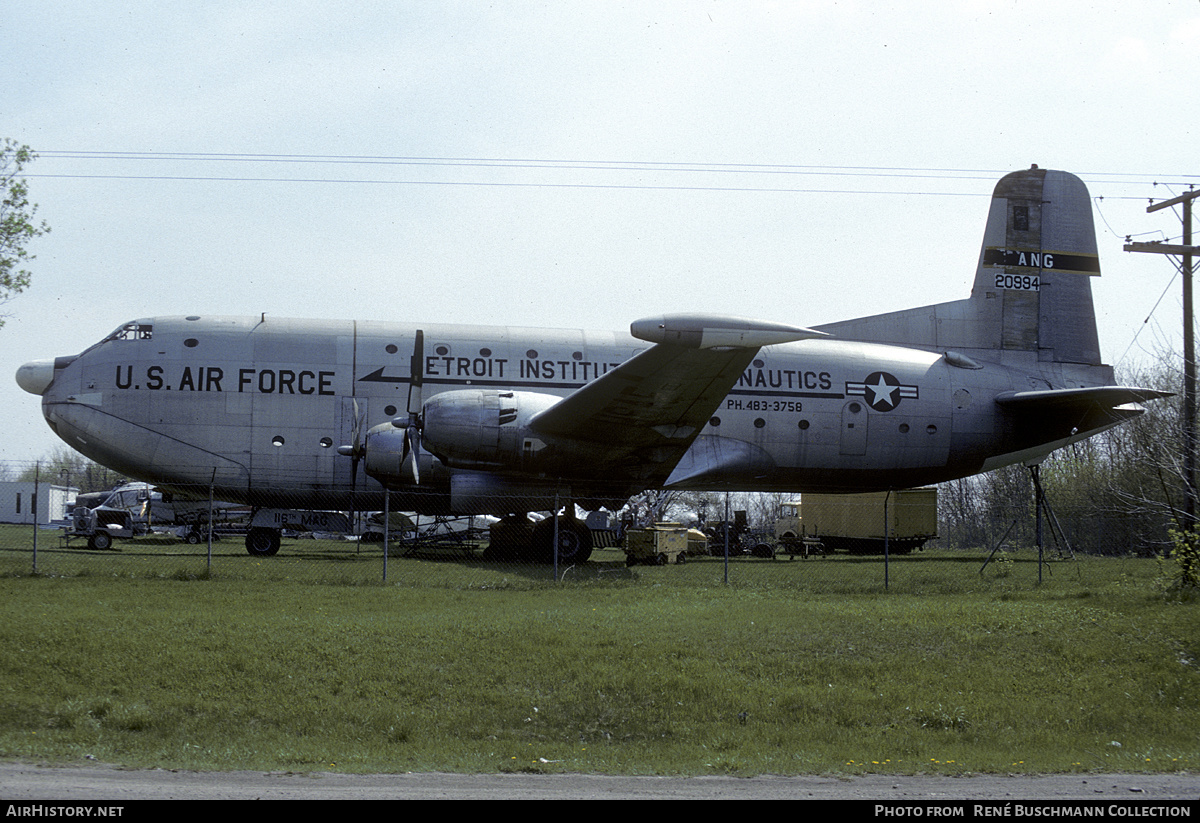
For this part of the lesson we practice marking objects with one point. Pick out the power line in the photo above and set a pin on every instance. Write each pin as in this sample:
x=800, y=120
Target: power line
x=901, y=172
x=518, y=162
x=749, y=170
x=631, y=186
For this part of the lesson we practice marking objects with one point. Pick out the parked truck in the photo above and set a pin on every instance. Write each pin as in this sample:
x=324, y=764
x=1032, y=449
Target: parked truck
x=858, y=523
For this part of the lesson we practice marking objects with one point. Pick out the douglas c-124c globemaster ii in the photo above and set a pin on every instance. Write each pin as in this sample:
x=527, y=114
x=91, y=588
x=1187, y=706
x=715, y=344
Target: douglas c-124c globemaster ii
x=500, y=420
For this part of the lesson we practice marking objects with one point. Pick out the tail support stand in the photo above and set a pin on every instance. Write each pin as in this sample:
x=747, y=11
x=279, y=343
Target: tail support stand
x=1056, y=532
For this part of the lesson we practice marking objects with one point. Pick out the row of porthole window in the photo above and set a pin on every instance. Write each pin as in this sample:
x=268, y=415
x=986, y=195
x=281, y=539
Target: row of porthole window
x=443, y=350
x=440, y=351
x=804, y=424
x=758, y=423
x=278, y=441
x=325, y=443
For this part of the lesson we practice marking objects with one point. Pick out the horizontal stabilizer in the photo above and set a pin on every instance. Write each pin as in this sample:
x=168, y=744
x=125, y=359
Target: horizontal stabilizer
x=1085, y=399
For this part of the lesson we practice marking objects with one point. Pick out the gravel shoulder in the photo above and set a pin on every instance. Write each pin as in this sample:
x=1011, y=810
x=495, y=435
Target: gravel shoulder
x=27, y=782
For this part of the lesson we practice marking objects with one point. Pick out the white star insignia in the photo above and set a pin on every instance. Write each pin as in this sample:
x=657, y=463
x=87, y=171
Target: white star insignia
x=880, y=389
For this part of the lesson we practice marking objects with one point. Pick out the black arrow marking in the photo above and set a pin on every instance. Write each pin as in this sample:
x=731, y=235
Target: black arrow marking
x=378, y=376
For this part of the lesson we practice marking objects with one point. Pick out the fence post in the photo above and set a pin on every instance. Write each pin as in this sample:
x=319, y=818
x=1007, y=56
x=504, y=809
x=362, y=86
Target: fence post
x=726, y=529
x=887, y=533
x=208, y=561
x=37, y=479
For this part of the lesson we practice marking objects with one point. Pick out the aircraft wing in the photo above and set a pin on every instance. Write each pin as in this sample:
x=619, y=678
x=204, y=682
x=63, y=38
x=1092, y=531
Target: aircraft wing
x=650, y=408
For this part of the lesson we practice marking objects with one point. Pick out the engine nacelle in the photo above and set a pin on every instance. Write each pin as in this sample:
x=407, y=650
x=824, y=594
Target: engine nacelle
x=385, y=449
x=485, y=429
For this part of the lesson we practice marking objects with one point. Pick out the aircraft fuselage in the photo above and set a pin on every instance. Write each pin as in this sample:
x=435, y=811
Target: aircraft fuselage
x=257, y=408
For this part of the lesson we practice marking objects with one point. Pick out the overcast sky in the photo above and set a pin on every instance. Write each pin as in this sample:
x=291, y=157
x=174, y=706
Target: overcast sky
x=575, y=164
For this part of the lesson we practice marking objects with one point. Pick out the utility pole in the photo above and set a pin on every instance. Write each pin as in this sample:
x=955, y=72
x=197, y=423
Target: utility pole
x=1189, y=344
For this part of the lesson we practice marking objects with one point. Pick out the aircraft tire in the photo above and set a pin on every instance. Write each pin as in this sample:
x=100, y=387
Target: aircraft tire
x=101, y=541
x=509, y=540
x=574, y=541
x=763, y=550
x=262, y=542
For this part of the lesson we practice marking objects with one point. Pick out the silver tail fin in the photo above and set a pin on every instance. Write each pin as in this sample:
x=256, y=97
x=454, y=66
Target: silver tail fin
x=1032, y=291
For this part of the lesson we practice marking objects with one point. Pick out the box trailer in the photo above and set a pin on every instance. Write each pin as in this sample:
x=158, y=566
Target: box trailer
x=662, y=543
x=858, y=523
x=27, y=502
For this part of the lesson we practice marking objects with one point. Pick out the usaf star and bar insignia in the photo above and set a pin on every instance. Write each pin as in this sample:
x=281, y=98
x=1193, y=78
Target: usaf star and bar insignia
x=882, y=391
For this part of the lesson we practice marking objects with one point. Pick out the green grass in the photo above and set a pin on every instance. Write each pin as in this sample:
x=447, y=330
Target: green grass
x=809, y=667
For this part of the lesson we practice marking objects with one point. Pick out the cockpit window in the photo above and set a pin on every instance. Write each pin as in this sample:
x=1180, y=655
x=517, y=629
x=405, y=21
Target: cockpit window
x=132, y=331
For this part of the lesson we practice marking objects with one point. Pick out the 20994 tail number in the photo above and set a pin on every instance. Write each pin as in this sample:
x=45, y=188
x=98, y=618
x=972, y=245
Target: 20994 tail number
x=1019, y=282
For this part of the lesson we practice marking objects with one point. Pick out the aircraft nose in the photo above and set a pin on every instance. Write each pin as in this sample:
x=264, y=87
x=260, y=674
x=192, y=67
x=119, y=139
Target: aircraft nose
x=35, y=376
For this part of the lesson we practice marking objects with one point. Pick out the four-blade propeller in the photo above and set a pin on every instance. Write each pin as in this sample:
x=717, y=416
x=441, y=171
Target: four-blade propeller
x=410, y=458
x=357, y=449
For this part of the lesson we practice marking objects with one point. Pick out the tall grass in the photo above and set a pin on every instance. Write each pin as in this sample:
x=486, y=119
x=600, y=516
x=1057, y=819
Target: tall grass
x=659, y=671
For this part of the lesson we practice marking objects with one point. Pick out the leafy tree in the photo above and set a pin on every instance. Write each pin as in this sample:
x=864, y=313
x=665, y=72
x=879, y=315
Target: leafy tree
x=1185, y=551
x=961, y=514
x=67, y=466
x=1116, y=493
x=1146, y=459
x=17, y=226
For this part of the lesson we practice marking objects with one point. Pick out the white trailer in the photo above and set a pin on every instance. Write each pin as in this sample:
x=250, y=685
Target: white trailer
x=27, y=502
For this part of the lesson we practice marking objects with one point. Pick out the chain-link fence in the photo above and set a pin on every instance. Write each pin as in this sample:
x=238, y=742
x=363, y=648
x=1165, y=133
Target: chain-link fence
x=818, y=543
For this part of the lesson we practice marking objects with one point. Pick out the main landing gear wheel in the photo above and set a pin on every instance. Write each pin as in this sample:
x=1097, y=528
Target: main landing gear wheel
x=574, y=541
x=509, y=540
x=262, y=542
